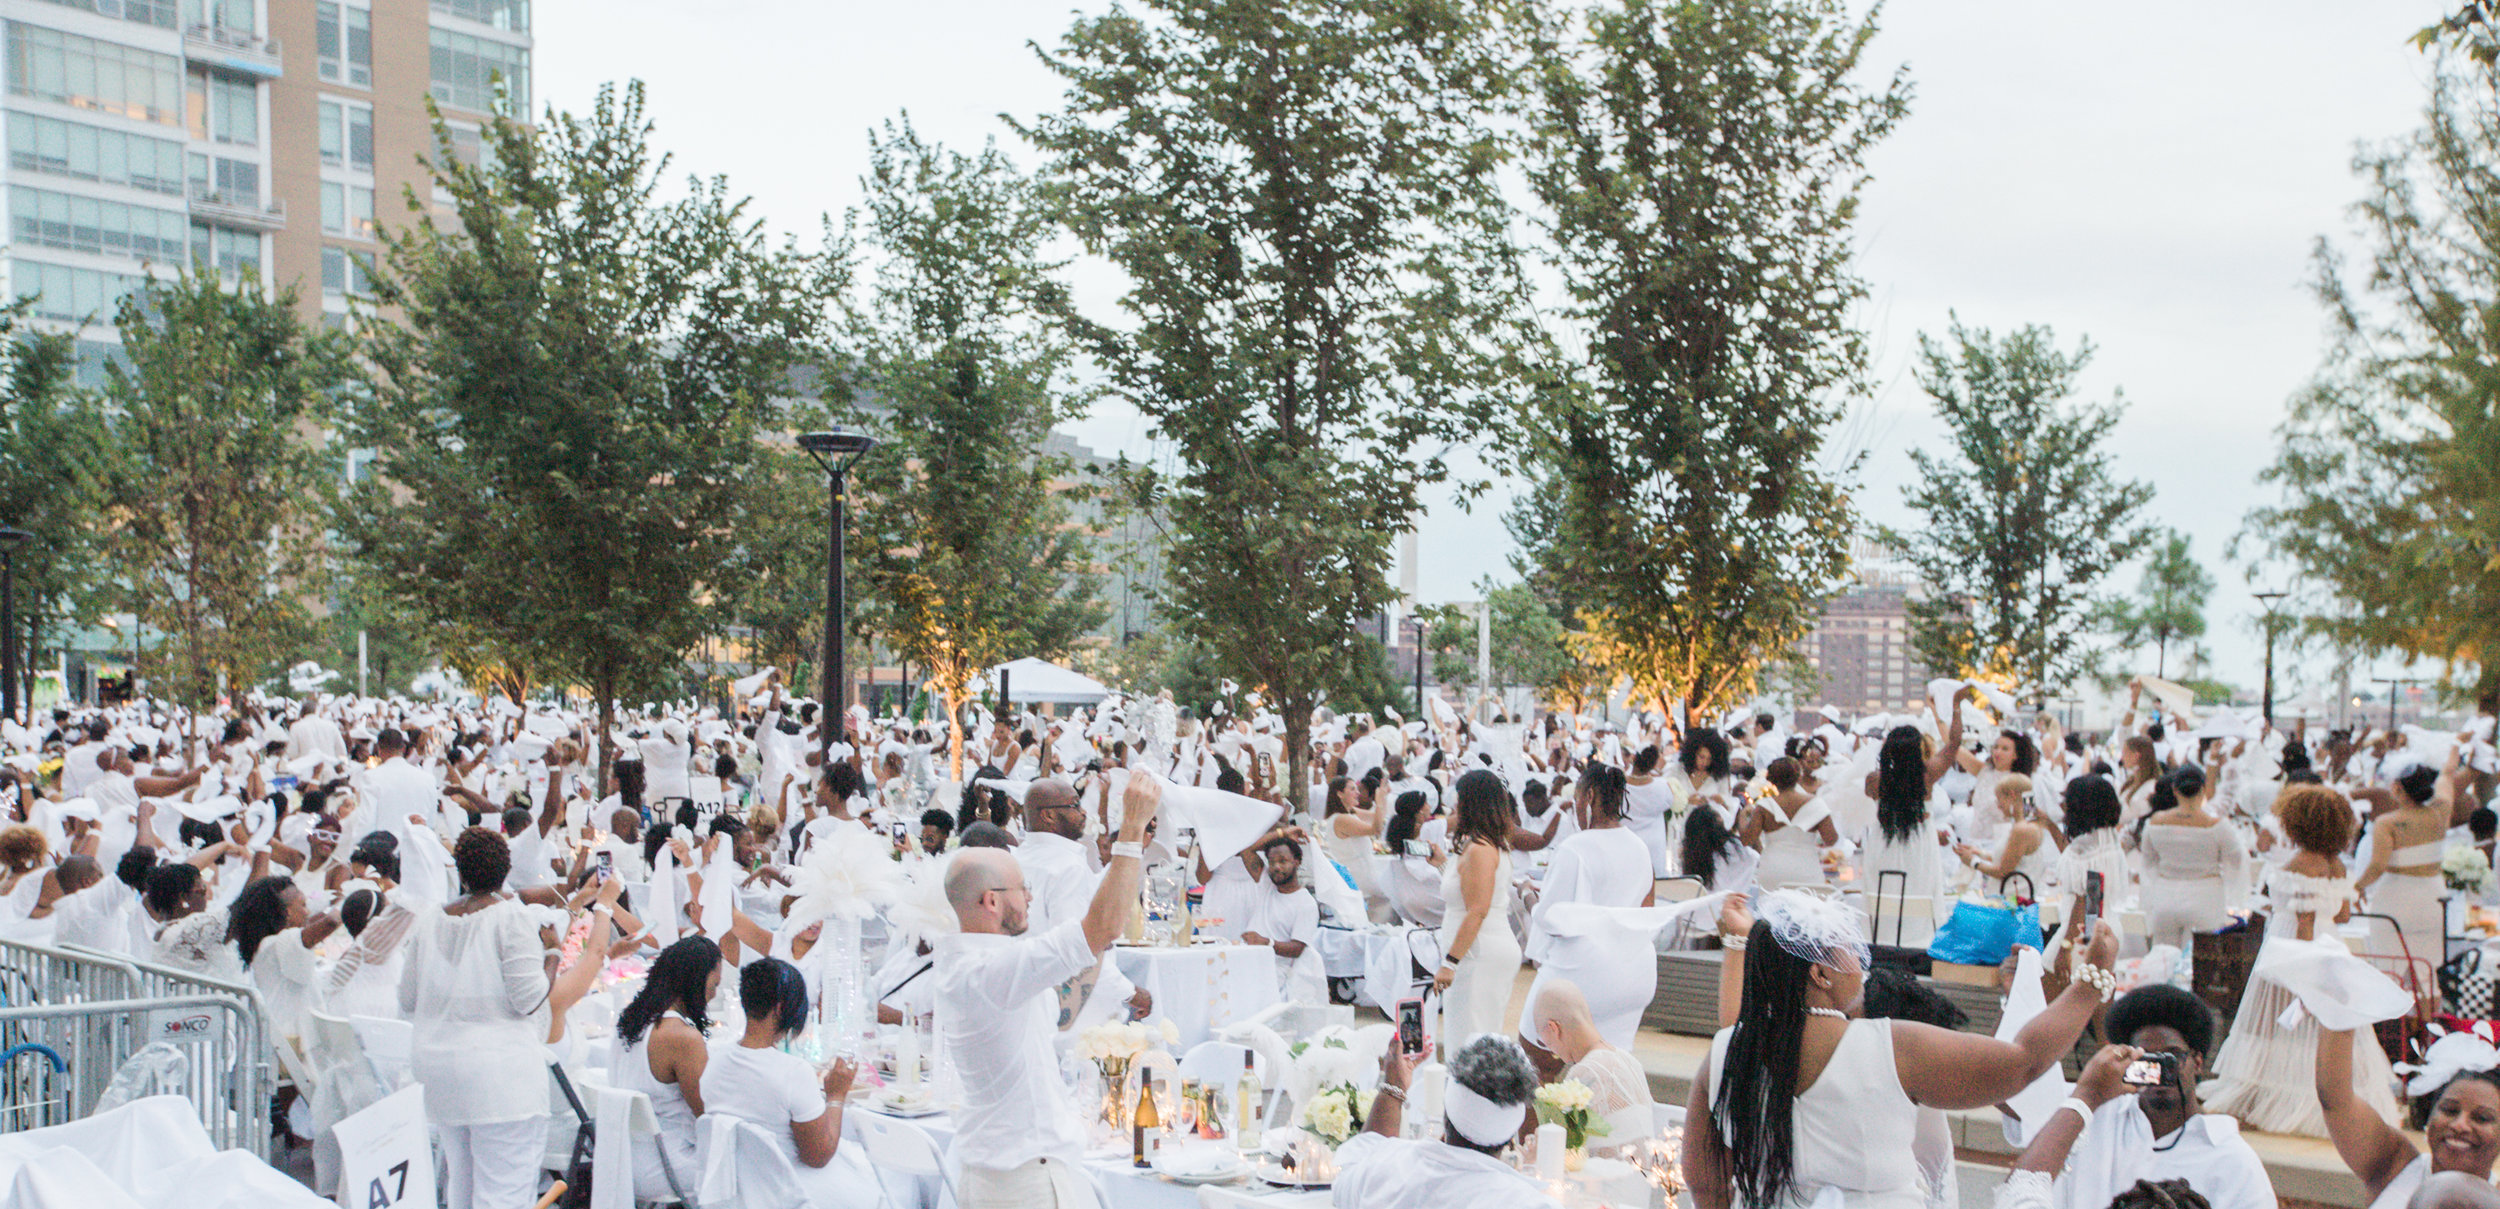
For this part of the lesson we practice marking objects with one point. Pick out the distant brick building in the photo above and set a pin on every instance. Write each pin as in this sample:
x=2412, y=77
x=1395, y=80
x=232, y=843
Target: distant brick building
x=1860, y=650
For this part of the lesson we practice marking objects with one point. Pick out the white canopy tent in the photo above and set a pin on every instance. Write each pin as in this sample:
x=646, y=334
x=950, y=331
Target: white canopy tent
x=1033, y=681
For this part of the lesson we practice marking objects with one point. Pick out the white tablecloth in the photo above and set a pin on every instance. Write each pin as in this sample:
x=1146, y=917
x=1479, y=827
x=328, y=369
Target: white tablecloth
x=1203, y=987
x=1122, y=1185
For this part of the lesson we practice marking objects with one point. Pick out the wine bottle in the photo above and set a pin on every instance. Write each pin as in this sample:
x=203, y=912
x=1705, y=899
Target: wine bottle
x=1246, y=1094
x=1145, y=1118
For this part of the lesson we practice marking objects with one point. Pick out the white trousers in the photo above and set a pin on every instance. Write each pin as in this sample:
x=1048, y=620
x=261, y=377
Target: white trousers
x=493, y=1166
x=1043, y=1183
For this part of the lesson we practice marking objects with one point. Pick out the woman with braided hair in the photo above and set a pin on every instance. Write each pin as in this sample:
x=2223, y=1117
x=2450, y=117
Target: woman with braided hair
x=1802, y=1094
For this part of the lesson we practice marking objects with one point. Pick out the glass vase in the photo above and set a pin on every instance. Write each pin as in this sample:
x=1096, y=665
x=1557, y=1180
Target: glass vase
x=1115, y=1108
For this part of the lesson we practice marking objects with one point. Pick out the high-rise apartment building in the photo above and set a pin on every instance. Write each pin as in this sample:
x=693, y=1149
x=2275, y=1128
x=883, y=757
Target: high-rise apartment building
x=1860, y=648
x=147, y=134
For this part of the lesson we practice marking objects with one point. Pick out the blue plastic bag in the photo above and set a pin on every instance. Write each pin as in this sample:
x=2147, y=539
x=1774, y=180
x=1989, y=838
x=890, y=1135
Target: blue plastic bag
x=1984, y=932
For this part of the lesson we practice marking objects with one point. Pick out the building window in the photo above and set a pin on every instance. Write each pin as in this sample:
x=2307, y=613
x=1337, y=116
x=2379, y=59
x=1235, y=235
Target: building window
x=347, y=209
x=49, y=65
x=88, y=224
x=235, y=15
x=347, y=135
x=59, y=148
x=343, y=42
x=224, y=111
x=224, y=249
x=145, y=12
x=218, y=179
x=466, y=67
x=75, y=295
x=345, y=272
x=510, y=15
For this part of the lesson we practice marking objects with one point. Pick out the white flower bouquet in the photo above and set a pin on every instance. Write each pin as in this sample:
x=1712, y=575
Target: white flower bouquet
x=1335, y=1113
x=2466, y=870
x=1122, y=1042
x=1567, y=1104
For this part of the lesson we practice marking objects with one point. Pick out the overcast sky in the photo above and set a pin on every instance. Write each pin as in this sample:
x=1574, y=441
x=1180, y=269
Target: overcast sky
x=2151, y=176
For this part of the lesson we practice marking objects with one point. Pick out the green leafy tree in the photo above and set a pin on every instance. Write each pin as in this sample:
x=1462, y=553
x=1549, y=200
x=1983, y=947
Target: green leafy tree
x=2023, y=519
x=568, y=400
x=2169, y=604
x=217, y=482
x=48, y=483
x=1526, y=641
x=1301, y=197
x=965, y=518
x=2389, y=464
x=1697, y=168
x=2473, y=31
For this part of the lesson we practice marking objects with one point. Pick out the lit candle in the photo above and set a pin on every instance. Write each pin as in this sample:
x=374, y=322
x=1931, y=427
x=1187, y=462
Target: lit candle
x=1549, y=1151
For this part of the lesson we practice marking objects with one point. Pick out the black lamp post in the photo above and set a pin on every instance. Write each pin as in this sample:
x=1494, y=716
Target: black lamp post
x=2268, y=599
x=835, y=451
x=10, y=540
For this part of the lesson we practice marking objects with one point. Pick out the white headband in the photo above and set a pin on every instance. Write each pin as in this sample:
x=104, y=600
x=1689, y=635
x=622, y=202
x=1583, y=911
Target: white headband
x=1480, y=1120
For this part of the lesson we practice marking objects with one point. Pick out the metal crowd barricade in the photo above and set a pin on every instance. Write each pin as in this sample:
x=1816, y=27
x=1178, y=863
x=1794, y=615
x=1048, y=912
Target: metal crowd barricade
x=40, y=974
x=44, y=976
x=240, y=1115
x=229, y=1087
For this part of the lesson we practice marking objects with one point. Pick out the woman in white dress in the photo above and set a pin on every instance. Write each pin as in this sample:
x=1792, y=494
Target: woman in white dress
x=755, y=1081
x=274, y=934
x=1647, y=801
x=2454, y=1105
x=1700, y=775
x=2408, y=835
x=2189, y=856
x=2023, y=844
x=1721, y=855
x=1411, y=873
x=1479, y=955
x=2139, y=766
x=1796, y=827
x=1803, y=1097
x=1904, y=862
x=2012, y=755
x=1602, y=864
x=660, y=1052
x=475, y=988
x=1346, y=833
x=2267, y=1071
x=2093, y=846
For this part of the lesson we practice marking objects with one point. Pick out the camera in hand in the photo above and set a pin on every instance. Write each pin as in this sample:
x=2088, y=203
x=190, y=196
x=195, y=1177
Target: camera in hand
x=2153, y=1070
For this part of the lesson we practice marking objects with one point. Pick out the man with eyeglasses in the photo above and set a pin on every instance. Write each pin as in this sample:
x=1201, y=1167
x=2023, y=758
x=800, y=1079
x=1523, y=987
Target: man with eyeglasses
x=1062, y=881
x=1018, y=1139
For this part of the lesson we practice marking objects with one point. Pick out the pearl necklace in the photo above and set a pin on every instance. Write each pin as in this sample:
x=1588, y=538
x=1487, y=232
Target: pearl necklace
x=1834, y=1013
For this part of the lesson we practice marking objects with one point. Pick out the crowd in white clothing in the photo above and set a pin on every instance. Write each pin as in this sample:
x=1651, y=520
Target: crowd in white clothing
x=481, y=869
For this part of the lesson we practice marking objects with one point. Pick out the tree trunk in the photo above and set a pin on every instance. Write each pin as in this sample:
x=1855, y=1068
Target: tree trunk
x=1298, y=707
x=603, y=682
x=954, y=729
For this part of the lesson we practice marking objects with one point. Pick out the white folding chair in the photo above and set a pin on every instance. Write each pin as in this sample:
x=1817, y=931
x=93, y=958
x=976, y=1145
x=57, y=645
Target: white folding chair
x=1676, y=889
x=743, y=1168
x=1217, y=1062
x=388, y=1045
x=904, y=1149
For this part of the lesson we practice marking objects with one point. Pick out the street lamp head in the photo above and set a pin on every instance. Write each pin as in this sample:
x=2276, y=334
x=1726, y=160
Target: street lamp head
x=838, y=443
x=12, y=537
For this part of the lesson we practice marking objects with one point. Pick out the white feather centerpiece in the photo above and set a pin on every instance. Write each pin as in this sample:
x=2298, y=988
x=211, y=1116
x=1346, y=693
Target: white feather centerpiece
x=846, y=879
x=849, y=874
